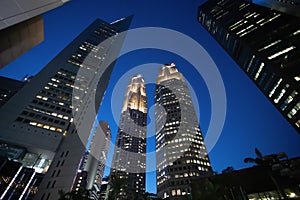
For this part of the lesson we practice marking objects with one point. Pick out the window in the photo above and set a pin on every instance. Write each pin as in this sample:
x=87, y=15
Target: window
x=48, y=184
x=294, y=110
x=48, y=196
x=173, y=192
x=53, y=173
x=53, y=184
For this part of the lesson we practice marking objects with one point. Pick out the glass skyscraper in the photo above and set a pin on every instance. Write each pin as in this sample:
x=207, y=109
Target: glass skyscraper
x=265, y=43
x=129, y=160
x=181, y=154
x=41, y=116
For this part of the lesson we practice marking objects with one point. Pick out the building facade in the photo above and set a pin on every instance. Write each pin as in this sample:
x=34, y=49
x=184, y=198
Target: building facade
x=129, y=160
x=8, y=88
x=17, y=181
x=181, y=154
x=22, y=27
x=91, y=170
x=265, y=44
x=14, y=12
x=290, y=7
x=276, y=180
x=41, y=117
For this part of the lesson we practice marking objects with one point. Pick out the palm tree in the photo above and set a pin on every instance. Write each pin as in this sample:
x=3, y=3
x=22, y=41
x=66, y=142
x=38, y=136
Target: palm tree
x=266, y=162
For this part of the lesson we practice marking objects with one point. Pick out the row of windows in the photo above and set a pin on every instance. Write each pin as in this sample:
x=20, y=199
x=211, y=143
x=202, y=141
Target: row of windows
x=67, y=91
x=45, y=118
x=51, y=106
x=39, y=125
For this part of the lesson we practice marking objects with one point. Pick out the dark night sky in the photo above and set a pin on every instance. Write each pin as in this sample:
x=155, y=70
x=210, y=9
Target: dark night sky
x=251, y=120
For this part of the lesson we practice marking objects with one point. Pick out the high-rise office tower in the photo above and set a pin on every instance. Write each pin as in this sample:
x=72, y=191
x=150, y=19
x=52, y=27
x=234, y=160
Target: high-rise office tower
x=290, y=7
x=92, y=166
x=21, y=26
x=265, y=43
x=129, y=160
x=181, y=154
x=8, y=88
x=41, y=117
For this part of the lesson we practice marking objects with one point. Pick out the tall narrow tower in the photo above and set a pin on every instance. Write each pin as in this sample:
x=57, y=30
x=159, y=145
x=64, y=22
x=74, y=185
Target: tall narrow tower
x=129, y=161
x=92, y=166
x=180, y=150
x=41, y=116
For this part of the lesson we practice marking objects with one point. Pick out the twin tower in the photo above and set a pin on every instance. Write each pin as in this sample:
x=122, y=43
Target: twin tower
x=46, y=125
x=180, y=151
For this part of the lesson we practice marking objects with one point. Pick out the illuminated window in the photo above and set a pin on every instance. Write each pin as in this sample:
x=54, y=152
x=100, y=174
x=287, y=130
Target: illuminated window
x=297, y=78
x=296, y=32
x=33, y=123
x=289, y=100
x=281, y=52
x=46, y=126
x=275, y=87
x=298, y=123
x=281, y=93
x=294, y=110
x=59, y=130
x=259, y=70
x=270, y=45
x=173, y=192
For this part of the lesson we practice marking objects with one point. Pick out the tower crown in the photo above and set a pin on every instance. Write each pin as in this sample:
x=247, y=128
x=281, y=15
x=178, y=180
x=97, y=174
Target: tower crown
x=168, y=71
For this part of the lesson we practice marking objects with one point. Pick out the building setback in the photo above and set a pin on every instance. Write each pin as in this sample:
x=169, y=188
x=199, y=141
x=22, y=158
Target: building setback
x=41, y=117
x=129, y=160
x=181, y=154
x=21, y=26
x=265, y=43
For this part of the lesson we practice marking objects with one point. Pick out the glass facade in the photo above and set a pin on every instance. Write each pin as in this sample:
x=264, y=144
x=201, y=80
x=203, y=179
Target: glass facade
x=181, y=154
x=264, y=43
x=41, y=116
x=129, y=160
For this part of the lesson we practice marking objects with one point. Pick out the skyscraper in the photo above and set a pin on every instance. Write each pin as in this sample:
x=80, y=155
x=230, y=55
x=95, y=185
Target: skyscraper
x=181, y=154
x=21, y=26
x=290, y=7
x=129, y=160
x=41, y=117
x=14, y=12
x=265, y=43
x=8, y=88
x=92, y=166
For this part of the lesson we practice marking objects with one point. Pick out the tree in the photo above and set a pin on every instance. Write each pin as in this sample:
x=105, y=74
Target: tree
x=81, y=194
x=266, y=162
x=209, y=190
x=116, y=184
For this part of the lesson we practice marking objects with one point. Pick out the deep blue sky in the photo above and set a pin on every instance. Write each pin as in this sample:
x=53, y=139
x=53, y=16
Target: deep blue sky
x=251, y=120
